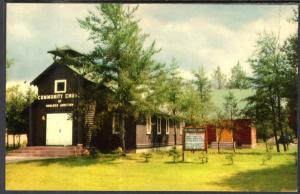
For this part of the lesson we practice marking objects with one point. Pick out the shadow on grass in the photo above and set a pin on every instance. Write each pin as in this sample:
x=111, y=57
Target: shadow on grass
x=280, y=178
x=77, y=161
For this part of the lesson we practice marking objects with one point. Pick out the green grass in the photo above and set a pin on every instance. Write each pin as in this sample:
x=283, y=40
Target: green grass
x=109, y=172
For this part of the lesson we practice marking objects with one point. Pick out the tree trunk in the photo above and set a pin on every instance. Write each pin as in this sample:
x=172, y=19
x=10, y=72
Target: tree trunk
x=122, y=130
x=14, y=144
x=7, y=143
x=274, y=128
x=279, y=116
x=175, y=135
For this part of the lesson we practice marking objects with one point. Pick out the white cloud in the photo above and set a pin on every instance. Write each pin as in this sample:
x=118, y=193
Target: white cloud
x=194, y=34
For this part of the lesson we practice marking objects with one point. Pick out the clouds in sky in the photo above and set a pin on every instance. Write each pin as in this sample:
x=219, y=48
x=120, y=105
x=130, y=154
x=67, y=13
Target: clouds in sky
x=195, y=35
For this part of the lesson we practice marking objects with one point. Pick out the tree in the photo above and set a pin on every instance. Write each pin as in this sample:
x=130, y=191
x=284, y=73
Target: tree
x=219, y=78
x=290, y=57
x=258, y=110
x=120, y=59
x=16, y=102
x=221, y=126
x=231, y=112
x=238, y=78
x=203, y=84
x=174, y=93
x=270, y=76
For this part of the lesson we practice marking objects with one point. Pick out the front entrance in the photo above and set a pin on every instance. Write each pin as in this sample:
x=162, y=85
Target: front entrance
x=59, y=129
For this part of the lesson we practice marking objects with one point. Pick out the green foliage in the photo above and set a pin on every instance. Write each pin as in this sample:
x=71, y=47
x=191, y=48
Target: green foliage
x=219, y=78
x=296, y=158
x=93, y=152
x=238, y=78
x=230, y=158
x=146, y=156
x=203, y=84
x=16, y=102
x=231, y=106
x=173, y=152
x=120, y=59
x=119, y=151
x=272, y=76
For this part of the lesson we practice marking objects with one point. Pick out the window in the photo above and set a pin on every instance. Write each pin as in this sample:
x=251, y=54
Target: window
x=60, y=86
x=158, y=125
x=148, y=124
x=167, y=126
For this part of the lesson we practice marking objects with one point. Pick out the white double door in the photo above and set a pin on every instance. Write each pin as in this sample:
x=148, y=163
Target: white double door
x=59, y=129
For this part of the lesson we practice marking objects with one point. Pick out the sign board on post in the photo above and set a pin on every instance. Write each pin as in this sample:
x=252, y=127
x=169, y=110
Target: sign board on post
x=194, y=139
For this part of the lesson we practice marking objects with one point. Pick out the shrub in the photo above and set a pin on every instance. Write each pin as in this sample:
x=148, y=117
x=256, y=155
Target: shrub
x=174, y=153
x=229, y=158
x=203, y=157
x=146, y=155
x=93, y=152
x=119, y=151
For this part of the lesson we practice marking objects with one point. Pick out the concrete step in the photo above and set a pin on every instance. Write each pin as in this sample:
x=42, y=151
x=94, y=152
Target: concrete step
x=48, y=151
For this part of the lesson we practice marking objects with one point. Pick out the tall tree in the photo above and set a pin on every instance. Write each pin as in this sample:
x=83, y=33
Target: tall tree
x=238, y=78
x=174, y=93
x=219, y=78
x=203, y=86
x=269, y=77
x=290, y=56
x=258, y=110
x=120, y=58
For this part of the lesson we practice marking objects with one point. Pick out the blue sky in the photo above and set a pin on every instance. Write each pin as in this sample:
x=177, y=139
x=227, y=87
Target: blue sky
x=195, y=34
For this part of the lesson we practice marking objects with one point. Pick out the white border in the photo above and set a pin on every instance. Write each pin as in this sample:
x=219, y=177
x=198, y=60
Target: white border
x=60, y=81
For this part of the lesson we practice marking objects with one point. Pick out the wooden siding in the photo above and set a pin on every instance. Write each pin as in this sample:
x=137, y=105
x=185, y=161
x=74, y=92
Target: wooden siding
x=38, y=109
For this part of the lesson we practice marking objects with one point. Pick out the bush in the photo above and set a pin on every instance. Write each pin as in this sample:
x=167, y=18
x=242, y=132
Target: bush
x=146, y=155
x=119, y=151
x=203, y=157
x=229, y=158
x=174, y=153
x=93, y=152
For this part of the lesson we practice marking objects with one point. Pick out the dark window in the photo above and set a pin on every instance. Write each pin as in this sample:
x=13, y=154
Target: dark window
x=60, y=86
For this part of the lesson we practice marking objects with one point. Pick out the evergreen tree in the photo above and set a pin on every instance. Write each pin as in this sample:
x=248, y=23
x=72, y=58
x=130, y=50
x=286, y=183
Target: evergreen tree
x=120, y=58
x=270, y=77
x=219, y=78
x=238, y=78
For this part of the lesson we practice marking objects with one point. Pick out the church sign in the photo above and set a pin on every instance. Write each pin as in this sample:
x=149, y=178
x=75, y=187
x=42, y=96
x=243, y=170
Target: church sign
x=194, y=139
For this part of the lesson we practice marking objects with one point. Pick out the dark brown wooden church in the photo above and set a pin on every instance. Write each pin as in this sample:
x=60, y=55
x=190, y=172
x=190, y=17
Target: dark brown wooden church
x=53, y=121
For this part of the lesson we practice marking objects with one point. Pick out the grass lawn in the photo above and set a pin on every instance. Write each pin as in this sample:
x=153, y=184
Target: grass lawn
x=109, y=172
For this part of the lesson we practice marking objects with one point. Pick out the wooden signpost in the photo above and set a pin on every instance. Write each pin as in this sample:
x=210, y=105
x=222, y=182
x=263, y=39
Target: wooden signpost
x=194, y=139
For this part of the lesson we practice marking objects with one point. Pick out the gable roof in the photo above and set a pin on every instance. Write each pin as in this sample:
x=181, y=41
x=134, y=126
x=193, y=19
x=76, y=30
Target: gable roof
x=217, y=97
x=53, y=65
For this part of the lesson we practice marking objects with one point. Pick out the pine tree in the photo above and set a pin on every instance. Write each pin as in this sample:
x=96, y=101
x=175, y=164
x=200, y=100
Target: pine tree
x=120, y=58
x=219, y=78
x=238, y=78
